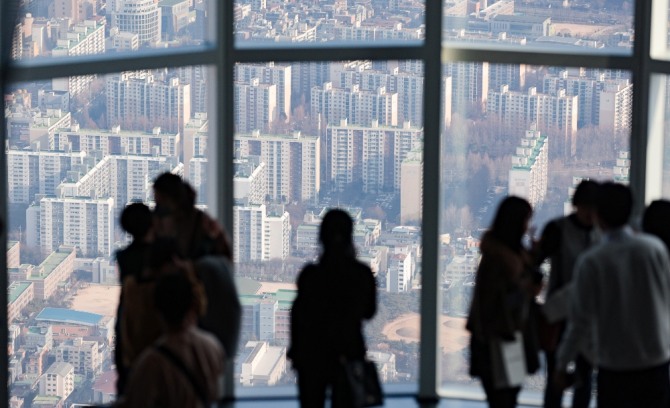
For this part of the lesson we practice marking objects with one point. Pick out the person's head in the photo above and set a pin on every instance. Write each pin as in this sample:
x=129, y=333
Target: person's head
x=584, y=201
x=336, y=232
x=613, y=205
x=136, y=220
x=175, y=299
x=656, y=220
x=511, y=221
x=172, y=193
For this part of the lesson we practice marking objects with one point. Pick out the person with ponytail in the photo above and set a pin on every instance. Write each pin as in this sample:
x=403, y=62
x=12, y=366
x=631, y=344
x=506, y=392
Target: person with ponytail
x=335, y=295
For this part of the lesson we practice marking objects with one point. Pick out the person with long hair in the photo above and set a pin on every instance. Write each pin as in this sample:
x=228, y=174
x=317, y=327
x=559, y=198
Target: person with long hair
x=335, y=296
x=504, y=289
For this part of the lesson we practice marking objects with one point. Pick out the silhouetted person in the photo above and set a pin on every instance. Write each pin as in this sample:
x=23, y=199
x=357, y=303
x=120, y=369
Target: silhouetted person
x=140, y=323
x=656, y=220
x=177, y=216
x=562, y=241
x=202, y=240
x=183, y=368
x=622, y=290
x=335, y=295
x=136, y=220
x=504, y=288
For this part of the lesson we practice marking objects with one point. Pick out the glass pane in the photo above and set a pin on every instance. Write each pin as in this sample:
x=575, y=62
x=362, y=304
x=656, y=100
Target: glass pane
x=75, y=161
x=535, y=132
x=352, y=22
x=313, y=136
x=71, y=28
x=549, y=26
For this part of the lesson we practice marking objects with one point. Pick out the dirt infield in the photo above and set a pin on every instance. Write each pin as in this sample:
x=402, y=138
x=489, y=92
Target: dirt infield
x=272, y=287
x=453, y=336
x=578, y=30
x=100, y=299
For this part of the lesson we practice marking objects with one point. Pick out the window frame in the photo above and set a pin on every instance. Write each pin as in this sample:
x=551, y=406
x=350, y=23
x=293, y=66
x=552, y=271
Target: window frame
x=224, y=53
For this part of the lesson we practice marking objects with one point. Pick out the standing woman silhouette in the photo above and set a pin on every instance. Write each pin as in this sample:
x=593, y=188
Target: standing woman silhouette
x=505, y=285
x=335, y=295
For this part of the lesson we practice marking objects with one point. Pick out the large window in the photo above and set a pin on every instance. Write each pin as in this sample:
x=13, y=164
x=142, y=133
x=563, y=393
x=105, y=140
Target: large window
x=536, y=132
x=427, y=114
x=313, y=136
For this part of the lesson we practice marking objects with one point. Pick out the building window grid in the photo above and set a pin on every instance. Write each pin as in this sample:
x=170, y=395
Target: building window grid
x=632, y=62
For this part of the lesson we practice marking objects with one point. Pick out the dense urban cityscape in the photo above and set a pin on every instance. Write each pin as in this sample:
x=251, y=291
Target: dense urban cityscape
x=309, y=136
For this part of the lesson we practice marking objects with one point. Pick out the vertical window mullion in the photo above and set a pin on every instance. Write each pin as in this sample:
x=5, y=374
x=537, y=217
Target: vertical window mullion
x=430, y=288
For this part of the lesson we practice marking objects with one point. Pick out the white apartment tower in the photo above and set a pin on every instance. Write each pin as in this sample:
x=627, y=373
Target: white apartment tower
x=529, y=172
x=255, y=106
x=142, y=17
x=411, y=187
x=249, y=232
x=399, y=275
x=116, y=141
x=35, y=172
x=140, y=101
x=369, y=154
x=270, y=74
x=519, y=110
x=85, y=223
x=84, y=38
x=292, y=163
x=250, y=180
x=277, y=233
x=615, y=106
x=470, y=85
x=357, y=106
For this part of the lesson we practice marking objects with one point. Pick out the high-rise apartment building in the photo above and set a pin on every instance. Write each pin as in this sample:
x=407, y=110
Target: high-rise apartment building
x=85, y=223
x=411, y=187
x=529, y=173
x=77, y=10
x=270, y=74
x=142, y=17
x=255, y=106
x=603, y=101
x=116, y=141
x=370, y=155
x=292, y=163
x=519, y=110
x=249, y=232
x=513, y=75
x=277, y=233
x=141, y=101
x=36, y=172
x=84, y=38
x=261, y=232
x=615, y=106
x=357, y=106
x=399, y=275
x=250, y=180
x=469, y=86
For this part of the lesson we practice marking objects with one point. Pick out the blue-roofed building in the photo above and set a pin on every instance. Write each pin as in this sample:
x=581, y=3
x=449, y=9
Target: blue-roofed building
x=68, y=316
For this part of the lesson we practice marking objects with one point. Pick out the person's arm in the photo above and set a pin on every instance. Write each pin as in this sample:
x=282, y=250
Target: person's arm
x=581, y=314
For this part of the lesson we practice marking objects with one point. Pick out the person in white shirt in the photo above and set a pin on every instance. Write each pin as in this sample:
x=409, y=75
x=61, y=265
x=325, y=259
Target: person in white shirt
x=622, y=292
